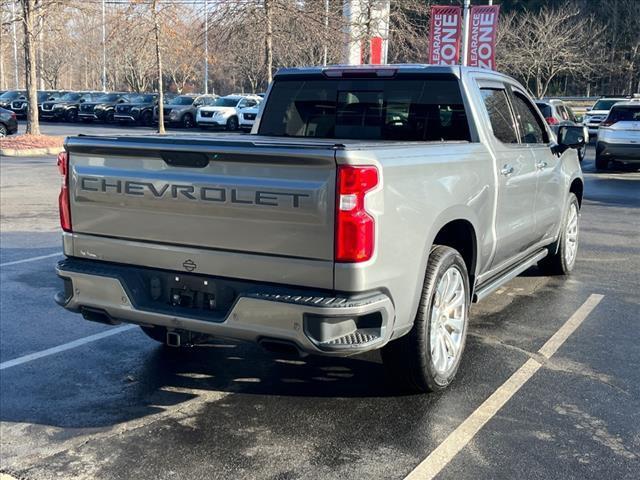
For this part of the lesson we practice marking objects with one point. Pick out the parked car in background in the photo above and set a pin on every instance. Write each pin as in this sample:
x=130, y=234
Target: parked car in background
x=9, y=96
x=8, y=122
x=66, y=107
x=138, y=109
x=182, y=110
x=247, y=117
x=101, y=108
x=558, y=113
x=619, y=135
x=21, y=104
x=225, y=111
x=596, y=114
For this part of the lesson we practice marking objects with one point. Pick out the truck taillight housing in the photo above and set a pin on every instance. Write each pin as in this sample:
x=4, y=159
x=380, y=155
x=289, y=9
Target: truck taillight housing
x=355, y=227
x=64, y=203
x=552, y=120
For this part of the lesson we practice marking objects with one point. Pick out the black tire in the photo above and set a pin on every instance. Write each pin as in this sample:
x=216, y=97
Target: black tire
x=71, y=115
x=232, y=124
x=408, y=360
x=3, y=131
x=582, y=152
x=187, y=121
x=601, y=162
x=146, y=118
x=159, y=334
x=556, y=262
x=108, y=118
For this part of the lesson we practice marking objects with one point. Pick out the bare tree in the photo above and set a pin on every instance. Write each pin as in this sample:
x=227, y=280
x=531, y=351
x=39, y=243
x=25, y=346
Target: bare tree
x=29, y=22
x=540, y=47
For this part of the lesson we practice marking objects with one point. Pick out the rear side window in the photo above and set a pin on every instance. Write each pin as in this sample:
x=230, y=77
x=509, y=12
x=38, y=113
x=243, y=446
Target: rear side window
x=495, y=100
x=371, y=109
x=531, y=129
x=624, y=114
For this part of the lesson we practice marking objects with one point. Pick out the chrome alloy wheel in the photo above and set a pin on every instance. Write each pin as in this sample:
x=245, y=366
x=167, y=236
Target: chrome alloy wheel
x=571, y=235
x=448, y=316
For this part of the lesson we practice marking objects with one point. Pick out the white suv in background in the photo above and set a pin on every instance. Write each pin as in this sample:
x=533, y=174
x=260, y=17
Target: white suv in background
x=619, y=135
x=225, y=111
x=596, y=114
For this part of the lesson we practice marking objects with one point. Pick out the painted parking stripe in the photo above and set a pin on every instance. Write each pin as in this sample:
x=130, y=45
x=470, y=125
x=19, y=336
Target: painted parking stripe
x=31, y=259
x=65, y=346
x=461, y=436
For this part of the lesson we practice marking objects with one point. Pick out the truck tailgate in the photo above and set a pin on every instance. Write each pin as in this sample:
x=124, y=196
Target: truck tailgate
x=234, y=195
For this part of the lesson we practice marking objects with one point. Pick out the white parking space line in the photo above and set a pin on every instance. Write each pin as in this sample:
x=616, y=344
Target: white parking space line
x=439, y=458
x=31, y=259
x=65, y=346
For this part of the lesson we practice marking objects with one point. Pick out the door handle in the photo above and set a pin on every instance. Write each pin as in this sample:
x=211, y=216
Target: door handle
x=541, y=165
x=507, y=170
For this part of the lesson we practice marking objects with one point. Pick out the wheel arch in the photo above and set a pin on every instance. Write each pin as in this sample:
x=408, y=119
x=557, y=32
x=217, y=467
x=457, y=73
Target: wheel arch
x=577, y=188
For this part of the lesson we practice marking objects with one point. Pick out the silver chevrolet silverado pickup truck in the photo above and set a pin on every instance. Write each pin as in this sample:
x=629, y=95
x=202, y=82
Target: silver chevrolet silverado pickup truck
x=367, y=210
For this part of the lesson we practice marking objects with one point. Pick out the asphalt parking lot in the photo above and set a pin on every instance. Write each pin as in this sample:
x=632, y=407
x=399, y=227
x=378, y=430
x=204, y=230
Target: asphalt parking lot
x=549, y=386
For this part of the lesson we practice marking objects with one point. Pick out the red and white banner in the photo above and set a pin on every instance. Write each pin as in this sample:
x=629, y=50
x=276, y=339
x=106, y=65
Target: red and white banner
x=483, y=29
x=446, y=31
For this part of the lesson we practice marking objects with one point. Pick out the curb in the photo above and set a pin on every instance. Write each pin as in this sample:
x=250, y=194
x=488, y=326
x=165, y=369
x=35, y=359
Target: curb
x=29, y=152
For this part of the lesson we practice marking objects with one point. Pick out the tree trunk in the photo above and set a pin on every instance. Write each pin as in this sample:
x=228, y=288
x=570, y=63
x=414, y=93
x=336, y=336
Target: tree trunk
x=268, y=40
x=28, y=22
x=40, y=51
x=156, y=28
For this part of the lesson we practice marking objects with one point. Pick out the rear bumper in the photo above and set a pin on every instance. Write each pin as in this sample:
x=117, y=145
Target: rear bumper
x=619, y=151
x=314, y=321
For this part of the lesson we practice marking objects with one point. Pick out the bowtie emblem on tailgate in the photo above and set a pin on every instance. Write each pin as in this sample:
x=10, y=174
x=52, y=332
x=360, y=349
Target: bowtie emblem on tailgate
x=189, y=265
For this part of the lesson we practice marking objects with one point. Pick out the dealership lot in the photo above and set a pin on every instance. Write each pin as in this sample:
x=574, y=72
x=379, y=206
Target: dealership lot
x=107, y=402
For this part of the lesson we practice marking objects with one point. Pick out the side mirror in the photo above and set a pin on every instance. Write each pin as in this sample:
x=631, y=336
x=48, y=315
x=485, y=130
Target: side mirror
x=588, y=109
x=82, y=100
x=571, y=136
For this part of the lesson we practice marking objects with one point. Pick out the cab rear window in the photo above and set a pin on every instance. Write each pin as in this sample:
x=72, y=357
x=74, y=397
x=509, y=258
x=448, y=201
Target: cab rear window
x=370, y=109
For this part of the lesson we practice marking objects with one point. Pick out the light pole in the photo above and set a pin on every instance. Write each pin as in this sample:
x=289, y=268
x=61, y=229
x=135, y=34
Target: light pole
x=326, y=30
x=15, y=44
x=104, y=49
x=206, y=46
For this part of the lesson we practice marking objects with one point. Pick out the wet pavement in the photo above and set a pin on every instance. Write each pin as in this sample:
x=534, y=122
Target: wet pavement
x=123, y=406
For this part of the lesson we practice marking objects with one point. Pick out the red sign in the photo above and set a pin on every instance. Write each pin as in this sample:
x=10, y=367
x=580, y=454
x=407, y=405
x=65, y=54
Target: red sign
x=375, y=46
x=483, y=28
x=446, y=30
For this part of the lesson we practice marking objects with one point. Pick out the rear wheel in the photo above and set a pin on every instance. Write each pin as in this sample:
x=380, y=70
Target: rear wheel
x=601, y=162
x=109, y=117
x=3, y=131
x=428, y=357
x=562, y=254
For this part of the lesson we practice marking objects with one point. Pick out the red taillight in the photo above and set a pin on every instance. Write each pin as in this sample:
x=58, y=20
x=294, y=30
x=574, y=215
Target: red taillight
x=355, y=227
x=552, y=120
x=63, y=199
